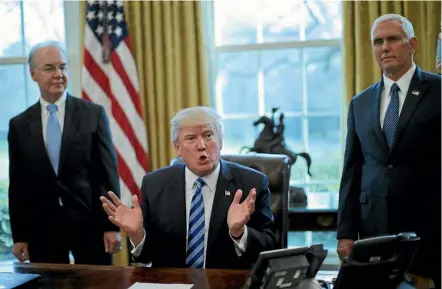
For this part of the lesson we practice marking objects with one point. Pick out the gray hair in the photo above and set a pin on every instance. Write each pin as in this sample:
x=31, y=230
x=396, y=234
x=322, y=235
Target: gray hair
x=45, y=44
x=405, y=23
x=196, y=116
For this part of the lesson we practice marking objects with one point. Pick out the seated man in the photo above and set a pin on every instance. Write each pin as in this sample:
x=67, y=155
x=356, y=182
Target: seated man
x=206, y=213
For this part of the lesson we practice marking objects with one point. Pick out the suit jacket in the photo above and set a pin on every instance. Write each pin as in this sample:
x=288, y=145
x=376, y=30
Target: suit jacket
x=164, y=213
x=87, y=170
x=387, y=192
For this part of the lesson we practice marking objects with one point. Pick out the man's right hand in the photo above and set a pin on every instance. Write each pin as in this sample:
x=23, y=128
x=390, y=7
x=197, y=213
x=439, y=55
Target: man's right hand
x=127, y=219
x=344, y=247
x=20, y=251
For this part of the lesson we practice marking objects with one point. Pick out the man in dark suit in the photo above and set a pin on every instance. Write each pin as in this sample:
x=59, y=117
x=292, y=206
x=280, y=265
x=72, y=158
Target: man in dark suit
x=206, y=213
x=391, y=179
x=61, y=160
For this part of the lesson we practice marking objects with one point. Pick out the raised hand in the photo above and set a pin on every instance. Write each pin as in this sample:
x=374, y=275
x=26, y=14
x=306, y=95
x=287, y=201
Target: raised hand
x=130, y=220
x=239, y=214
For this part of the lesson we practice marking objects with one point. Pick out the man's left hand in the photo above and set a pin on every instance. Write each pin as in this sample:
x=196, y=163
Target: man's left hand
x=112, y=242
x=239, y=214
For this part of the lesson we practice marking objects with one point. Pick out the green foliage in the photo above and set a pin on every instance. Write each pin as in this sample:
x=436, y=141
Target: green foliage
x=5, y=228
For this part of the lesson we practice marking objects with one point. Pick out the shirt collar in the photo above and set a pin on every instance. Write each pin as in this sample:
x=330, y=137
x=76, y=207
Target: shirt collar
x=60, y=102
x=403, y=82
x=210, y=179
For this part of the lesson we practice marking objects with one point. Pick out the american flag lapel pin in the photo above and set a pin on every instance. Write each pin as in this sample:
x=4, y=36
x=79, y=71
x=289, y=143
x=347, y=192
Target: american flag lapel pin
x=415, y=92
x=226, y=193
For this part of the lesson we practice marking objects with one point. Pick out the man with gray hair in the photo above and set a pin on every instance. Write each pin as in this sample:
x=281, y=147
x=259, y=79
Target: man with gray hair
x=61, y=159
x=205, y=213
x=391, y=180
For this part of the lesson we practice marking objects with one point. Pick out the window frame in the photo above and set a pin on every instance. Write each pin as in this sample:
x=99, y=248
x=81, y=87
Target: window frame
x=213, y=51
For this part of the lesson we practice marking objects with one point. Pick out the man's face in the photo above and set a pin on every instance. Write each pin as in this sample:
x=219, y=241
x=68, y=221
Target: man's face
x=392, y=49
x=49, y=70
x=200, y=147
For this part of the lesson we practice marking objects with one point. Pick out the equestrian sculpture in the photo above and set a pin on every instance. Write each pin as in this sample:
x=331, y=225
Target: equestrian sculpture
x=271, y=140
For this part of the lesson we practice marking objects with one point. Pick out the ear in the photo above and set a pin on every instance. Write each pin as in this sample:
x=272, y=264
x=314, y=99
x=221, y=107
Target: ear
x=32, y=72
x=413, y=44
x=176, y=146
x=221, y=144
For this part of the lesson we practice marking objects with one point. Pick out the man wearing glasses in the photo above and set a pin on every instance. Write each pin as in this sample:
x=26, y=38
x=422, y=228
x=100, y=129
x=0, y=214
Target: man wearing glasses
x=61, y=159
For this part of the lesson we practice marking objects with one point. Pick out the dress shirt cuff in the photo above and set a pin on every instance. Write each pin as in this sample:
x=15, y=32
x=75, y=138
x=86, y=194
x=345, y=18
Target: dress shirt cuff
x=240, y=245
x=136, y=251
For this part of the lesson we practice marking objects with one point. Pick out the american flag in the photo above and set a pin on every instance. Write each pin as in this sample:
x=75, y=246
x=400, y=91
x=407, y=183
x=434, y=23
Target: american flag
x=110, y=78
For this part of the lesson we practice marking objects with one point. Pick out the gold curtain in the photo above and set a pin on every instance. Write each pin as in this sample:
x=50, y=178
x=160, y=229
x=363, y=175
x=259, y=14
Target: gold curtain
x=167, y=41
x=360, y=67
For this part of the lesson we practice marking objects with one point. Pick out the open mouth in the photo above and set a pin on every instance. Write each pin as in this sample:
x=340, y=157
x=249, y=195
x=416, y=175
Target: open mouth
x=203, y=158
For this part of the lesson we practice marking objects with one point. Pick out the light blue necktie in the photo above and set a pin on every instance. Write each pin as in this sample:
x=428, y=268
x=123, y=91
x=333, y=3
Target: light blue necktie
x=53, y=137
x=195, y=240
x=392, y=115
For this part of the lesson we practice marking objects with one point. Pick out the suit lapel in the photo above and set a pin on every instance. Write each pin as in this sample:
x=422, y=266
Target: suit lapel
x=71, y=120
x=36, y=130
x=377, y=116
x=221, y=203
x=414, y=96
x=177, y=202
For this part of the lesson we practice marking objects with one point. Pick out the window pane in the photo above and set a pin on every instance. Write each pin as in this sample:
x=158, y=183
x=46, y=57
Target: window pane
x=12, y=80
x=323, y=20
x=11, y=37
x=43, y=20
x=324, y=143
x=262, y=21
x=5, y=229
x=282, y=80
x=322, y=198
x=238, y=133
x=237, y=82
x=324, y=79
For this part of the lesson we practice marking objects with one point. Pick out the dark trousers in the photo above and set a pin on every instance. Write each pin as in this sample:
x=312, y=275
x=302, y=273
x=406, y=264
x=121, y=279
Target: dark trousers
x=84, y=240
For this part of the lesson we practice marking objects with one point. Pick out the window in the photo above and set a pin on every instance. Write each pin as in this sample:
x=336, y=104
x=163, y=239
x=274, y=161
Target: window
x=28, y=22
x=282, y=54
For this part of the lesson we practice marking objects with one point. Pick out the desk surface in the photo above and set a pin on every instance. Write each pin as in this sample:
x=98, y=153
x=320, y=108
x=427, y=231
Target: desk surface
x=115, y=277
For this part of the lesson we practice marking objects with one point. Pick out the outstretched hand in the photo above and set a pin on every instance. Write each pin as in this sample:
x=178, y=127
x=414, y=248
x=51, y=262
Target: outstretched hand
x=239, y=214
x=130, y=220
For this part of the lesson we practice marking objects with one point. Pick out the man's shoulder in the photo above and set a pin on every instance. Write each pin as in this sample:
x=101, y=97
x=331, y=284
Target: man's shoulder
x=24, y=115
x=367, y=92
x=164, y=173
x=85, y=104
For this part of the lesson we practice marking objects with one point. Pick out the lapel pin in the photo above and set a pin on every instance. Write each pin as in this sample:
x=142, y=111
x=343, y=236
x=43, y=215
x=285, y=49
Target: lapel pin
x=227, y=193
x=415, y=92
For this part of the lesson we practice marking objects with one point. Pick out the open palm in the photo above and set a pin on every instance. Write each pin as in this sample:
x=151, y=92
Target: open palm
x=127, y=219
x=239, y=214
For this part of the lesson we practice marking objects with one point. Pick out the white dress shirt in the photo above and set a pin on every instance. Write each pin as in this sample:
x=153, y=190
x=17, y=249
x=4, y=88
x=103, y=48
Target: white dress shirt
x=208, y=194
x=403, y=83
x=61, y=108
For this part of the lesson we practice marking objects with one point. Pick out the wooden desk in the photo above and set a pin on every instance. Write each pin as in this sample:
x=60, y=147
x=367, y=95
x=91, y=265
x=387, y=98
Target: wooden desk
x=113, y=277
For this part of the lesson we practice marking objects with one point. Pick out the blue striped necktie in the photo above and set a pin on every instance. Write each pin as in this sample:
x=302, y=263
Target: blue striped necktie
x=392, y=115
x=53, y=137
x=195, y=240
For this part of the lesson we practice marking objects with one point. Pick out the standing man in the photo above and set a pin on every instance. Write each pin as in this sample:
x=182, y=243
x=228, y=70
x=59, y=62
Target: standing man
x=391, y=179
x=205, y=213
x=61, y=159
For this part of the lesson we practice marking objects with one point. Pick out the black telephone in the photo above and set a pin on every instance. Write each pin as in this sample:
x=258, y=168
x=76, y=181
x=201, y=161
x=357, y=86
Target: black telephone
x=287, y=268
x=378, y=262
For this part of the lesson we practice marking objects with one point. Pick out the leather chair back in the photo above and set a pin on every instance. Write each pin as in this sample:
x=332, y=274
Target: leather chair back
x=277, y=169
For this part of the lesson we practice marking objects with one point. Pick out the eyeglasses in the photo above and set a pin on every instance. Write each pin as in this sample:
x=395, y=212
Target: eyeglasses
x=49, y=68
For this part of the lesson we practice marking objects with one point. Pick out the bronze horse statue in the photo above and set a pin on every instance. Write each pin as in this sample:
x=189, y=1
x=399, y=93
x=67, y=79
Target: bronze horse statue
x=270, y=141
